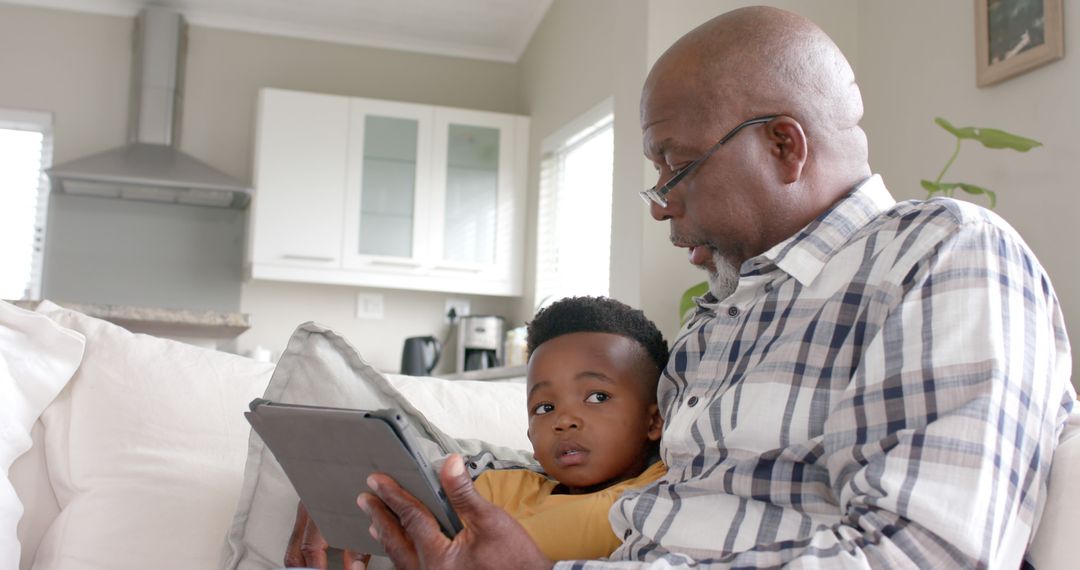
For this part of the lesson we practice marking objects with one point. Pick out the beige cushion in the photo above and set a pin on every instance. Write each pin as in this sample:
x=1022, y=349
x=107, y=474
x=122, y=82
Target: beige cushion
x=1054, y=546
x=321, y=368
x=145, y=450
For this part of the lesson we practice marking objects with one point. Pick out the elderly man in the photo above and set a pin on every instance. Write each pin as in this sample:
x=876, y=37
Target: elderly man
x=867, y=384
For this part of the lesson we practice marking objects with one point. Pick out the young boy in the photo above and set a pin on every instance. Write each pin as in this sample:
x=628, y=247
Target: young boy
x=593, y=422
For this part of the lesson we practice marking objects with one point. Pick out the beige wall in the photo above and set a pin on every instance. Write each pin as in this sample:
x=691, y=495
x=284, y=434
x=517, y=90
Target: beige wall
x=913, y=68
x=76, y=66
x=586, y=51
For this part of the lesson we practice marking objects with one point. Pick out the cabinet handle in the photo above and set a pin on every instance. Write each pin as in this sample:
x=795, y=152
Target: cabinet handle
x=308, y=257
x=393, y=263
x=457, y=268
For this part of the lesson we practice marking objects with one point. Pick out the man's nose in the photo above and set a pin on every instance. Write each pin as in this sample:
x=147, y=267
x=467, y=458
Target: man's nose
x=658, y=212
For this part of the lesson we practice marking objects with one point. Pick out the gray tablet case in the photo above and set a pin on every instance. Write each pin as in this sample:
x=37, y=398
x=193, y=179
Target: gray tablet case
x=328, y=453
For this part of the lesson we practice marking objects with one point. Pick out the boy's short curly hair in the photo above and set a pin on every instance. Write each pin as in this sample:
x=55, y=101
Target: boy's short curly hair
x=597, y=314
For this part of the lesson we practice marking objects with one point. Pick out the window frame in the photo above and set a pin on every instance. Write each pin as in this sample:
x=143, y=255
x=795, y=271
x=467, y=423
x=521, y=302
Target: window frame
x=563, y=140
x=40, y=122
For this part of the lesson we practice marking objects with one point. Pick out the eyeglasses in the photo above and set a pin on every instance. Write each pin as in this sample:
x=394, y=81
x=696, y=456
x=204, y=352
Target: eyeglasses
x=658, y=193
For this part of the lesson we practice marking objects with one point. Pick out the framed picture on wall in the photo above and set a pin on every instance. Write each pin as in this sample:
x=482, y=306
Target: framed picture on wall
x=1016, y=36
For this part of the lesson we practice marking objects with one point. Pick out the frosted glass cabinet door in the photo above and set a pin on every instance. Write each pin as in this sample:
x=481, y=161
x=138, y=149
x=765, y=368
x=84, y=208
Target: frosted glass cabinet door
x=389, y=144
x=474, y=197
x=388, y=186
x=471, y=201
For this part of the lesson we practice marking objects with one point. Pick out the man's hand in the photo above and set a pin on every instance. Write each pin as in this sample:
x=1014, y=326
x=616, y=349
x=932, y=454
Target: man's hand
x=413, y=540
x=307, y=547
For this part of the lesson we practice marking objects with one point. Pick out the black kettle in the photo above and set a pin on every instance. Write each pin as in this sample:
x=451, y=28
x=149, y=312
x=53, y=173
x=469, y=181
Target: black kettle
x=420, y=355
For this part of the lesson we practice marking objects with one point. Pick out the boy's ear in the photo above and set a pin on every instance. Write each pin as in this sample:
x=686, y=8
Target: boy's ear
x=656, y=423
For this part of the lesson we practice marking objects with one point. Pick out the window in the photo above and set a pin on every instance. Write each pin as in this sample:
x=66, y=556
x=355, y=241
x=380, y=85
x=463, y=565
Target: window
x=574, y=227
x=25, y=152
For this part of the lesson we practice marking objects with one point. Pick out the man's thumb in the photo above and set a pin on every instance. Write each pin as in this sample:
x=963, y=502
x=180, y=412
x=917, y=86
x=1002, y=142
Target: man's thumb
x=460, y=490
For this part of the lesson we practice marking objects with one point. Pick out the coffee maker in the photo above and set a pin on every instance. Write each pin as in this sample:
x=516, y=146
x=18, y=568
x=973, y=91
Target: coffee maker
x=479, y=342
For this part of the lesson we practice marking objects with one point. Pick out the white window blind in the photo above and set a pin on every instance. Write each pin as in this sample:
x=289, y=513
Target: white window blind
x=574, y=226
x=25, y=153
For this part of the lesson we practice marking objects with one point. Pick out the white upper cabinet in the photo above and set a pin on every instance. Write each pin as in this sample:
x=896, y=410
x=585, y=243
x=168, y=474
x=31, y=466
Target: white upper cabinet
x=428, y=198
x=298, y=220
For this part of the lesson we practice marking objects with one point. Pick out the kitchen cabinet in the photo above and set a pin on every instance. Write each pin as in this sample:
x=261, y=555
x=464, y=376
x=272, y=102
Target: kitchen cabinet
x=374, y=193
x=298, y=221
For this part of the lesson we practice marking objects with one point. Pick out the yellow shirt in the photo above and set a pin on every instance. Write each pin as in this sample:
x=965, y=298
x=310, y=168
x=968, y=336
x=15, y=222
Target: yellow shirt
x=566, y=527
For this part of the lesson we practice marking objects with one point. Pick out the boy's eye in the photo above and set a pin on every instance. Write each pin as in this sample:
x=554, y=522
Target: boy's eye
x=597, y=397
x=543, y=409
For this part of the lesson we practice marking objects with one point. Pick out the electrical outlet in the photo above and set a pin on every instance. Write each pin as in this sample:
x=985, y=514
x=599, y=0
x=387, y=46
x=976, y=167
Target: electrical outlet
x=460, y=307
x=369, y=305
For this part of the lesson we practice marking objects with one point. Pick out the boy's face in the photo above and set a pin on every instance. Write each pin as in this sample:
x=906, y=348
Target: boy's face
x=592, y=413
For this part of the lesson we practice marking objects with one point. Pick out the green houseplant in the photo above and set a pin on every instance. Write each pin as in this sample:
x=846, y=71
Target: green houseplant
x=990, y=138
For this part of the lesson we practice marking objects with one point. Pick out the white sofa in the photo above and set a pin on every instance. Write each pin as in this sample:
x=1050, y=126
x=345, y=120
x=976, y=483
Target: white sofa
x=138, y=450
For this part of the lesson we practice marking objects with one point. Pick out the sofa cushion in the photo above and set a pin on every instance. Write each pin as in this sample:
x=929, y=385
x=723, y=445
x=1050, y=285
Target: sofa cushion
x=37, y=358
x=1052, y=547
x=320, y=367
x=145, y=450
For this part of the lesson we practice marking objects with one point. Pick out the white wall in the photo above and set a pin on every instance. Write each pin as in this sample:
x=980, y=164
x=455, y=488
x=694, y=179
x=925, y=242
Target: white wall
x=913, y=68
x=583, y=52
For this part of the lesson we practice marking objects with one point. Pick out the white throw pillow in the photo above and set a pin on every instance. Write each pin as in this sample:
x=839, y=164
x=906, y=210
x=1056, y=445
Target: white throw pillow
x=320, y=367
x=145, y=449
x=1052, y=547
x=37, y=358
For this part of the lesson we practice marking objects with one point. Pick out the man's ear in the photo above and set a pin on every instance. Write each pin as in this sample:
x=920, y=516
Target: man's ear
x=656, y=423
x=788, y=142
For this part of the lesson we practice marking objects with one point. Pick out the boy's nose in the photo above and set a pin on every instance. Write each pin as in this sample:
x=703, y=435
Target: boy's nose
x=567, y=421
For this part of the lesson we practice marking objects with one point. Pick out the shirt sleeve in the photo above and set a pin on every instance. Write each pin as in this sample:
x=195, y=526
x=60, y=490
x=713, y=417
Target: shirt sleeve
x=939, y=450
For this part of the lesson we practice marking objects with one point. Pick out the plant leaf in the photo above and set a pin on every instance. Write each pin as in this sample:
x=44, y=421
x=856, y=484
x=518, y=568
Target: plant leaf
x=930, y=186
x=990, y=138
x=973, y=189
x=996, y=138
x=960, y=133
x=686, y=303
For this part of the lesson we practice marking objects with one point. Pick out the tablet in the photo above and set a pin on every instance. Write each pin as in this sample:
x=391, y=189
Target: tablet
x=328, y=453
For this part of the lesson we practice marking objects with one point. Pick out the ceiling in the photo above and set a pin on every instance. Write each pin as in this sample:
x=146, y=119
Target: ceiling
x=497, y=30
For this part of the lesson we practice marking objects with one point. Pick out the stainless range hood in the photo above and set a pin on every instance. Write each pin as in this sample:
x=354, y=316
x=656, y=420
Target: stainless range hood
x=150, y=166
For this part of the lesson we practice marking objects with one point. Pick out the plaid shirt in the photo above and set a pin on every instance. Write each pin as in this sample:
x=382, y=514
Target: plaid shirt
x=885, y=389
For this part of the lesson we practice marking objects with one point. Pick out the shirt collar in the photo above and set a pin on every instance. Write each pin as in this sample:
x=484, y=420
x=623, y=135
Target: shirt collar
x=804, y=254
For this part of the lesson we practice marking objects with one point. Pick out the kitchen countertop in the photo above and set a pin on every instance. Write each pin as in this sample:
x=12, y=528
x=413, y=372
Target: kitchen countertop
x=498, y=373
x=161, y=321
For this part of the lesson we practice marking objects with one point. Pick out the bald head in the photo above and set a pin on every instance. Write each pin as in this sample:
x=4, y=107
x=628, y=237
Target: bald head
x=758, y=61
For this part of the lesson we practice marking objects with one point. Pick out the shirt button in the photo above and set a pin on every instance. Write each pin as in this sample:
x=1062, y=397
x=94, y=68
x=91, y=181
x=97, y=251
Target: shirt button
x=692, y=401
x=626, y=534
x=733, y=311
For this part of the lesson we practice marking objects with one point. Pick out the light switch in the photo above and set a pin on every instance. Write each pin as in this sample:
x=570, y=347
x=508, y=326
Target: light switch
x=369, y=305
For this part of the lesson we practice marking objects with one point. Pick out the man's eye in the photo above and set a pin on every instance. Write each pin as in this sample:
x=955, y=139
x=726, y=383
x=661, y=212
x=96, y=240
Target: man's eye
x=597, y=397
x=543, y=409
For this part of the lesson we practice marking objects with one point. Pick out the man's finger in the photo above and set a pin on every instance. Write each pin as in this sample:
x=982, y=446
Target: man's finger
x=386, y=528
x=356, y=560
x=460, y=491
x=313, y=546
x=294, y=558
x=416, y=519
